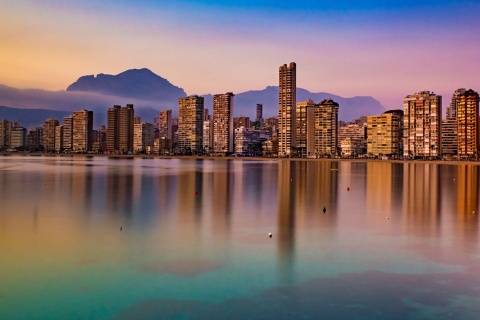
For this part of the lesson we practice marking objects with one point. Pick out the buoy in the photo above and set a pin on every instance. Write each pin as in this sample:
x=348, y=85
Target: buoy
x=387, y=218
x=324, y=210
x=121, y=228
x=348, y=189
x=473, y=212
x=196, y=192
x=270, y=234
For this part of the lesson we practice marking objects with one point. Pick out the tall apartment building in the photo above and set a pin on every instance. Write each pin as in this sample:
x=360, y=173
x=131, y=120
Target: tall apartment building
x=223, y=123
x=49, y=134
x=165, y=124
x=422, y=125
x=287, y=103
x=35, y=139
x=190, y=124
x=5, y=131
x=304, y=127
x=259, y=113
x=82, y=131
x=120, y=121
x=384, y=134
x=143, y=137
x=352, y=139
x=241, y=122
x=326, y=128
x=208, y=136
x=467, y=123
x=18, y=137
x=59, y=138
x=68, y=133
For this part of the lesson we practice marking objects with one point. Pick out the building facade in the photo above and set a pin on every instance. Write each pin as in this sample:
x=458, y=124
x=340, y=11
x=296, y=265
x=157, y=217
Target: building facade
x=190, y=125
x=143, y=138
x=287, y=103
x=384, y=134
x=326, y=129
x=49, y=134
x=467, y=123
x=223, y=123
x=304, y=128
x=120, y=126
x=82, y=131
x=165, y=124
x=422, y=125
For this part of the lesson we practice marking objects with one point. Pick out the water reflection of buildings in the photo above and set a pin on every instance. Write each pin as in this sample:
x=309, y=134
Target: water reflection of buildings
x=383, y=188
x=222, y=198
x=467, y=200
x=421, y=197
x=119, y=190
x=304, y=189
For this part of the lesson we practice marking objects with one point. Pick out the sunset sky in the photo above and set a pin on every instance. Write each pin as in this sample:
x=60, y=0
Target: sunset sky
x=386, y=49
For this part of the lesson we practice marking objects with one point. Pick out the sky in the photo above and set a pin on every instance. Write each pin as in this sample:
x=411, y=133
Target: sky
x=385, y=49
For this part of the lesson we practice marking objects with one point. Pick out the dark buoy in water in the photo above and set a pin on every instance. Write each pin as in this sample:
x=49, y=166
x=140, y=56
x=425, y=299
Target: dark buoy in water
x=121, y=228
x=196, y=192
x=348, y=188
x=324, y=210
x=270, y=235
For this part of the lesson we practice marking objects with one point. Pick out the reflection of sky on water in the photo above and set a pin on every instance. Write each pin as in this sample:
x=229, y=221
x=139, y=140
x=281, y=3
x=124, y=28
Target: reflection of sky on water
x=194, y=238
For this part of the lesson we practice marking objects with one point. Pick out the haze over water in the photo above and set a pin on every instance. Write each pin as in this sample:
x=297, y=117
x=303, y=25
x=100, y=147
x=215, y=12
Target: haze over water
x=106, y=238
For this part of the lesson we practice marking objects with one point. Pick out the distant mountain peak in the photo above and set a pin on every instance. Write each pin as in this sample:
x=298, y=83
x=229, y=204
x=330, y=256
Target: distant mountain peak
x=134, y=83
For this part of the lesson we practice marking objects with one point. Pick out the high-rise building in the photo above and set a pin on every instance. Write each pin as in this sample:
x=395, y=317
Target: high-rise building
x=452, y=108
x=59, y=138
x=352, y=139
x=137, y=120
x=190, y=125
x=68, y=133
x=208, y=136
x=422, y=125
x=384, y=134
x=326, y=128
x=304, y=112
x=467, y=123
x=165, y=124
x=82, y=131
x=241, y=121
x=18, y=138
x=287, y=103
x=259, y=113
x=49, y=134
x=120, y=121
x=143, y=137
x=5, y=131
x=223, y=123
x=35, y=139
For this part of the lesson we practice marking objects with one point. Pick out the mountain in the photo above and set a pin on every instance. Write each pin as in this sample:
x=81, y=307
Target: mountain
x=135, y=83
x=151, y=93
x=30, y=118
x=350, y=108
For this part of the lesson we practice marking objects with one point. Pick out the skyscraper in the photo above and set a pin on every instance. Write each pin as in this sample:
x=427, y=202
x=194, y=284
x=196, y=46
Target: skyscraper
x=82, y=131
x=120, y=121
x=384, y=133
x=5, y=132
x=223, y=123
x=259, y=112
x=143, y=137
x=422, y=125
x=326, y=128
x=467, y=123
x=165, y=124
x=190, y=124
x=49, y=134
x=68, y=133
x=286, y=108
x=304, y=110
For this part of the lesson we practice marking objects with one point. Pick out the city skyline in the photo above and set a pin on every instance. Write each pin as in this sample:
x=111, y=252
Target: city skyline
x=385, y=50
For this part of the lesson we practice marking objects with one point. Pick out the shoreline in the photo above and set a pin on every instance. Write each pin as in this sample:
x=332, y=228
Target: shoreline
x=143, y=156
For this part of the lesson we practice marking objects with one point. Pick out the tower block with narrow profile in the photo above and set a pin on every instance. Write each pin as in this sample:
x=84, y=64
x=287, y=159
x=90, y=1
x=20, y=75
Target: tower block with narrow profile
x=287, y=103
x=223, y=123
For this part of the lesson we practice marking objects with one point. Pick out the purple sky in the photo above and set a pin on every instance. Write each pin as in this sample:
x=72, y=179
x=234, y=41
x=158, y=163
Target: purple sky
x=386, y=49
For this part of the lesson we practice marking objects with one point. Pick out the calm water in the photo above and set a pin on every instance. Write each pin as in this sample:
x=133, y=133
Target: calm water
x=99, y=238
